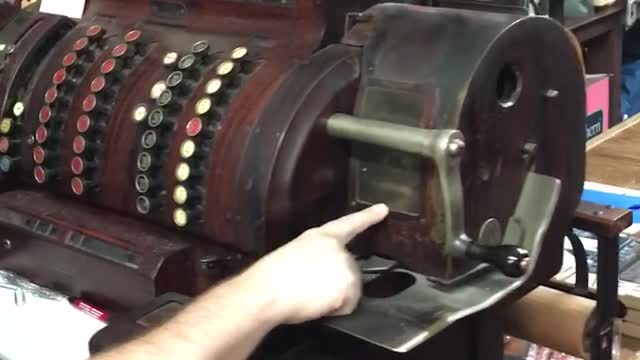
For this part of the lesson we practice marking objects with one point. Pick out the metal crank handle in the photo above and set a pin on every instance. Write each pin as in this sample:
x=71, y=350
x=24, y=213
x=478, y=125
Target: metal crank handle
x=510, y=260
x=445, y=147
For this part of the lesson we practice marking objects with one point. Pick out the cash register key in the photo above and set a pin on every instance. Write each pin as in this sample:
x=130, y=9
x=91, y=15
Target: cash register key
x=81, y=44
x=79, y=186
x=77, y=165
x=18, y=109
x=187, y=62
x=157, y=118
x=6, y=125
x=98, y=84
x=132, y=36
x=183, y=171
x=194, y=127
x=109, y=66
x=170, y=58
x=95, y=31
x=201, y=48
x=80, y=165
x=180, y=217
x=143, y=184
x=145, y=161
x=157, y=89
x=69, y=59
x=213, y=86
x=6, y=144
x=42, y=174
x=51, y=95
x=59, y=76
x=39, y=155
x=143, y=205
x=139, y=113
x=225, y=68
x=187, y=149
x=83, y=124
x=6, y=163
x=44, y=115
x=41, y=134
x=239, y=53
x=122, y=50
x=7, y=48
x=203, y=106
x=174, y=79
x=149, y=139
x=79, y=144
x=165, y=98
x=89, y=103
x=180, y=195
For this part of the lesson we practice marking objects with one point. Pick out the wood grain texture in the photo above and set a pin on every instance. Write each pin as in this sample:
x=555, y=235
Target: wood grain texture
x=551, y=318
x=614, y=158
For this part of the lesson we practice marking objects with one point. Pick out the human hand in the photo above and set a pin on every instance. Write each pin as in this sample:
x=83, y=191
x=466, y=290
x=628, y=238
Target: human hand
x=315, y=275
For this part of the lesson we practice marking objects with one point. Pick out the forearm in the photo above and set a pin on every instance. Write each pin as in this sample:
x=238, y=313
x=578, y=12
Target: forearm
x=226, y=323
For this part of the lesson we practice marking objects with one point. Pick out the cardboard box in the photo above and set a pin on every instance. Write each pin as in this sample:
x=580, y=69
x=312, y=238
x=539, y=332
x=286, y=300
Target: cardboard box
x=597, y=121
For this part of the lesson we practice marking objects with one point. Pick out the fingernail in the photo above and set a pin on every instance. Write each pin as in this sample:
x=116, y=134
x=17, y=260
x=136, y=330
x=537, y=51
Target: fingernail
x=383, y=208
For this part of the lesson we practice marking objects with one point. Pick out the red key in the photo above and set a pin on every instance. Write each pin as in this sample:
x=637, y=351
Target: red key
x=77, y=165
x=108, y=66
x=83, y=124
x=77, y=185
x=40, y=174
x=133, y=35
x=51, y=95
x=79, y=144
x=81, y=44
x=89, y=103
x=60, y=76
x=69, y=59
x=39, y=154
x=194, y=127
x=41, y=134
x=45, y=114
x=98, y=84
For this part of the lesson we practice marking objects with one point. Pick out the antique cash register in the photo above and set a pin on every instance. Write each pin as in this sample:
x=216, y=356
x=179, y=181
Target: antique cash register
x=159, y=146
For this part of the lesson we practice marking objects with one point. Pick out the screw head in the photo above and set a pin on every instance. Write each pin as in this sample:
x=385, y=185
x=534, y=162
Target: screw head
x=551, y=93
x=455, y=148
x=6, y=244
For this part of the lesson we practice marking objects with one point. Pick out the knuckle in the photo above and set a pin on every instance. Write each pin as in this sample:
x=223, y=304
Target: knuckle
x=311, y=233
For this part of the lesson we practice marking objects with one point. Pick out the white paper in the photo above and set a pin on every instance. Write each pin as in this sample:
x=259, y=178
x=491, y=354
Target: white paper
x=71, y=8
x=44, y=329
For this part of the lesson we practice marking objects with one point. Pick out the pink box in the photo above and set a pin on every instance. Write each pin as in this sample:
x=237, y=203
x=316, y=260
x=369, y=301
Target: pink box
x=597, y=121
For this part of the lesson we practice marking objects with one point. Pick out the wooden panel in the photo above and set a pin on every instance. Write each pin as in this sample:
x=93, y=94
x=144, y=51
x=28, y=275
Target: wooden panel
x=614, y=158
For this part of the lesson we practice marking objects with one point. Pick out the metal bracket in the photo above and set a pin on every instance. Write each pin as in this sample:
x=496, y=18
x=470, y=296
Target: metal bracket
x=405, y=320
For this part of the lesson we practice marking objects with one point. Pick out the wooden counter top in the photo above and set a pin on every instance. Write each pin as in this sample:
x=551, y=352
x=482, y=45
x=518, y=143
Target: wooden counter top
x=614, y=157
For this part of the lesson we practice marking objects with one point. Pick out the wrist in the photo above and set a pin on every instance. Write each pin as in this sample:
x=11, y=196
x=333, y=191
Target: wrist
x=263, y=304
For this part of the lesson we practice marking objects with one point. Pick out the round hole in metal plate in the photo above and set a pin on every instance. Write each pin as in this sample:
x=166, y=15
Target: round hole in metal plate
x=509, y=86
x=388, y=284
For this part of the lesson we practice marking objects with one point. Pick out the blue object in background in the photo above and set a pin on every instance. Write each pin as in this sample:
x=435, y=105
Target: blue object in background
x=615, y=200
x=630, y=94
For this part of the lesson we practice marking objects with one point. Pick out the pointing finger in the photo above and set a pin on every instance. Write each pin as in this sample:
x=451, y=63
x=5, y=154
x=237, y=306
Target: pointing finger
x=347, y=227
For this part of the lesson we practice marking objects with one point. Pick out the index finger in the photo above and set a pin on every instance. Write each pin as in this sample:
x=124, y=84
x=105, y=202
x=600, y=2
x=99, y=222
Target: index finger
x=347, y=227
